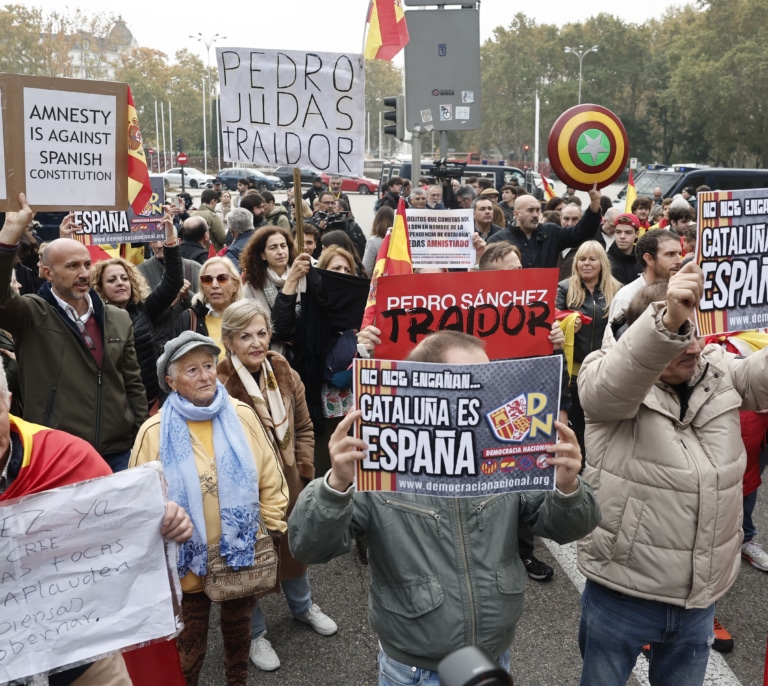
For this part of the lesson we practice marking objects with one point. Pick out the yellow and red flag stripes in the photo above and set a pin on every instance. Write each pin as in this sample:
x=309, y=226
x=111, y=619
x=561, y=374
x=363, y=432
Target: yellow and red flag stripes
x=631, y=192
x=387, y=32
x=394, y=258
x=139, y=186
x=548, y=192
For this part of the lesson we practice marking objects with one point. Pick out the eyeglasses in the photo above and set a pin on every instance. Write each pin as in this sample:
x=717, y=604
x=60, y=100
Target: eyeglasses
x=207, y=279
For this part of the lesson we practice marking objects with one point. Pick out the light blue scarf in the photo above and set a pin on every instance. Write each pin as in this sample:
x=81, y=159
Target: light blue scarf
x=238, y=482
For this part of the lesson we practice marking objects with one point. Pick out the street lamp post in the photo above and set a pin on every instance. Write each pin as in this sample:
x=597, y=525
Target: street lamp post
x=207, y=42
x=580, y=53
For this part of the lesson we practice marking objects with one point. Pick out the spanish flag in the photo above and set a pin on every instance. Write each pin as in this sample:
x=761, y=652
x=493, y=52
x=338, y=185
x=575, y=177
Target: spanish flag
x=387, y=32
x=139, y=186
x=394, y=258
x=631, y=192
x=548, y=192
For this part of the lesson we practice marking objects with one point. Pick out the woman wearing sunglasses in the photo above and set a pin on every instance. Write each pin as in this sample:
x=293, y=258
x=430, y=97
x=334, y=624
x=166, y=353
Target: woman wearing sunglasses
x=220, y=286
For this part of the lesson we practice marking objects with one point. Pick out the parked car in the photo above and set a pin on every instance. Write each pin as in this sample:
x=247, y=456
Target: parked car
x=264, y=182
x=354, y=184
x=286, y=174
x=193, y=178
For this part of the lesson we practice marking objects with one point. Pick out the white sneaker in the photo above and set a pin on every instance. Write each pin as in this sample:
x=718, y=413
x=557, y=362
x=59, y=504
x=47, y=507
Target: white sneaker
x=318, y=620
x=756, y=555
x=263, y=655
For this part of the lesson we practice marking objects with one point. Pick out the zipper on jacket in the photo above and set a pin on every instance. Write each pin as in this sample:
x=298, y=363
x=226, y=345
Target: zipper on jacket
x=413, y=508
x=98, y=411
x=467, y=577
x=49, y=409
x=479, y=509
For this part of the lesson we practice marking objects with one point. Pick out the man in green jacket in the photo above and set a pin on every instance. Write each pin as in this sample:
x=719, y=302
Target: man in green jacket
x=216, y=231
x=445, y=573
x=78, y=370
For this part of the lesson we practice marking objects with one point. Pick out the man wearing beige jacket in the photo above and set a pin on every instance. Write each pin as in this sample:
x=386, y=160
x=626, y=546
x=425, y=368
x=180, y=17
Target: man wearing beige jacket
x=666, y=460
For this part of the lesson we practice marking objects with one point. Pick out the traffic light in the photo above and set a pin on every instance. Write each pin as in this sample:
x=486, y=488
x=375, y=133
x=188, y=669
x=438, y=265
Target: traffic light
x=179, y=145
x=396, y=115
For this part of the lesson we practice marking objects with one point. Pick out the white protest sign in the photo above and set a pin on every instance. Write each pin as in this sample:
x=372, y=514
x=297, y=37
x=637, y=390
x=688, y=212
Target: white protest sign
x=441, y=238
x=83, y=572
x=69, y=147
x=305, y=109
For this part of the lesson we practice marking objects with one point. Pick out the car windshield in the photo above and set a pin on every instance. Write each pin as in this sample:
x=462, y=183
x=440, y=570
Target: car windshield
x=649, y=179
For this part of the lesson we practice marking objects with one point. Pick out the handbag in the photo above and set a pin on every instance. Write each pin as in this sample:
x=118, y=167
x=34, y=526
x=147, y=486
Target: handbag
x=222, y=582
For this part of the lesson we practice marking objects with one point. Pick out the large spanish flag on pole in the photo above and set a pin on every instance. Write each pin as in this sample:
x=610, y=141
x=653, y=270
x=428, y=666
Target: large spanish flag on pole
x=394, y=258
x=139, y=186
x=387, y=32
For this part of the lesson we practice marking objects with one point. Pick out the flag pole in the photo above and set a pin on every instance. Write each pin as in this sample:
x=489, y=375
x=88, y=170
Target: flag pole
x=367, y=24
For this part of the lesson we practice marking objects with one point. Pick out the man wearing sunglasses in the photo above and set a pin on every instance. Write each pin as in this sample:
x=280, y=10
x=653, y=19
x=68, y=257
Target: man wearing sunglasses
x=78, y=370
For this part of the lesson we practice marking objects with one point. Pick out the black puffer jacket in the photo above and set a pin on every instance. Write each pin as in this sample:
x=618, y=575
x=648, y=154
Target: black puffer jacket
x=143, y=315
x=590, y=336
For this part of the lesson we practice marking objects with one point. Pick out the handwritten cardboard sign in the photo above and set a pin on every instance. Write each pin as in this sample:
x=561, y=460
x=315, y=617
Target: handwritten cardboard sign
x=441, y=238
x=512, y=311
x=64, y=143
x=83, y=572
x=732, y=250
x=305, y=109
x=457, y=430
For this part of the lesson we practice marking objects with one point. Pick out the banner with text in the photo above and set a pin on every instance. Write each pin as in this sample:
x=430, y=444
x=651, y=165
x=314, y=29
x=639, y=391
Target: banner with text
x=65, y=143
x=732, y=250
x=113, y=228
x=83, y=572
x=304, y=109
x=458, y=430
x=512, y=311
x=441, y=238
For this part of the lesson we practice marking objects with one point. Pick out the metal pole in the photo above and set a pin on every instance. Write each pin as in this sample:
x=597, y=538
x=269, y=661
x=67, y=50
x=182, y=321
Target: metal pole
x=165, y=150
x=205, y=136
x=536, y=124
x=581, y=63
x=415, y=156
x=218, y=129
x=381, y=151
x=157, y=139
x=443, y=144
x=368, y=129
x=170, y=124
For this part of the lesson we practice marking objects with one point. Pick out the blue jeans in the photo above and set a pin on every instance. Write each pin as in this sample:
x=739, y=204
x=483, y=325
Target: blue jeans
x=750, y=531
x=614, y=627
x=298, y=596
x=394, y=673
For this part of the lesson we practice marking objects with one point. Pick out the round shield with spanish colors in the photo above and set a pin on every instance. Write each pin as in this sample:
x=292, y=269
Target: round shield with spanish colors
x=588, y=144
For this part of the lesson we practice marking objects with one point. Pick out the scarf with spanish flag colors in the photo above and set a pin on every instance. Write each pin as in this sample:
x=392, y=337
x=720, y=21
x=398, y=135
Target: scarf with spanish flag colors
x=393, y=259
x=51, y=459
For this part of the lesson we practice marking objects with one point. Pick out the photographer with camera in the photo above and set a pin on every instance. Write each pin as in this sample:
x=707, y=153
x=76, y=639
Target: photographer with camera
x=332, y=215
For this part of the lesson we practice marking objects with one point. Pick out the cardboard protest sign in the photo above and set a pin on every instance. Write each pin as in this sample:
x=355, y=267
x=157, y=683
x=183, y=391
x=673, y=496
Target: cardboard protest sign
x=83, y=572
x=112, y=227
x=64, y=143
x=457, y=431
x=304, y=109
x=511, y=311
x=441, y=238
x=732, y=250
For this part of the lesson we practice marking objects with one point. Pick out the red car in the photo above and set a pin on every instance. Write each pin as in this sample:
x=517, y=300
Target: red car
x=354, y=184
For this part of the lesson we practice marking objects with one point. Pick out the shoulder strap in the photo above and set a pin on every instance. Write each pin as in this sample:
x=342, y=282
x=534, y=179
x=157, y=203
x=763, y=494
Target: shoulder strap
x=192, y=319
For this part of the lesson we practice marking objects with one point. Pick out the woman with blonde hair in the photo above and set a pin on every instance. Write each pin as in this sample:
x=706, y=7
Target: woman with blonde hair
x=263, y=379
x=118, y=282
x=588, y=294
x=220, y=286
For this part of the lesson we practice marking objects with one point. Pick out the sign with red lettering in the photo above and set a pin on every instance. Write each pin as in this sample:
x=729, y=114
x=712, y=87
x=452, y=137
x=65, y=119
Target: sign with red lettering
x=511, y=311
x=182, y=159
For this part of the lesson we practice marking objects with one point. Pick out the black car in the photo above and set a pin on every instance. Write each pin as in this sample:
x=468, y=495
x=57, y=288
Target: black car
x=263, y=182
x=285, y=173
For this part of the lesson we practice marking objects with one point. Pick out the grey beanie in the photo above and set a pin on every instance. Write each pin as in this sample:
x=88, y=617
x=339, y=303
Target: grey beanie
x=185, y=342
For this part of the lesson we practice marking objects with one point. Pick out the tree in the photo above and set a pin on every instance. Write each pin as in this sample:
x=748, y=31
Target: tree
x=382, y=79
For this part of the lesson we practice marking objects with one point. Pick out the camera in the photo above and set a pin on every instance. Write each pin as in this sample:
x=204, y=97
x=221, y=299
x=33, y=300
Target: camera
x=470, y=666
x=331, y=218
x=448, y=170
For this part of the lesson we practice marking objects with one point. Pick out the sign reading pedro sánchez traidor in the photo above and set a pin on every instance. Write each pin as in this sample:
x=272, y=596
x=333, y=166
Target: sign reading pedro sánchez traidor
x=457, y=430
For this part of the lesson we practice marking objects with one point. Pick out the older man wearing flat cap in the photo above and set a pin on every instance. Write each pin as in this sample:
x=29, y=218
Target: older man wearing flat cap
x=221, y=468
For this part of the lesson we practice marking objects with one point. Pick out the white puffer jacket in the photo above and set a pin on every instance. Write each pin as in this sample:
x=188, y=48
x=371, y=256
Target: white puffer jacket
x=669, y=490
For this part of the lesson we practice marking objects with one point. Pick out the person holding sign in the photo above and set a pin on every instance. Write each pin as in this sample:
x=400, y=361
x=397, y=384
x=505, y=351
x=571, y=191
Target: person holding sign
x=78, y=369
x=666, y=460
x=264, y=380
x=220, y=464
x=442, y=575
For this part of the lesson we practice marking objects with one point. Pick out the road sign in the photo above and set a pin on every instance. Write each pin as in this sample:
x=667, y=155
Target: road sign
x=150, y=151
x=182, y=159
x=442, y=70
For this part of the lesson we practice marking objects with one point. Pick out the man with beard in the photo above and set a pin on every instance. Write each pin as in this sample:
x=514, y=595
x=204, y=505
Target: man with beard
x=78, y=370
x=657, y=249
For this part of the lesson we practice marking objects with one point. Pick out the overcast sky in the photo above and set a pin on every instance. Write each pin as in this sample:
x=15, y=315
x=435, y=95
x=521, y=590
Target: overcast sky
x=335, y=26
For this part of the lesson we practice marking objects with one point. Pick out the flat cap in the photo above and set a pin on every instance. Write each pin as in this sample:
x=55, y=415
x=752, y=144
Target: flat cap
x=185, y=342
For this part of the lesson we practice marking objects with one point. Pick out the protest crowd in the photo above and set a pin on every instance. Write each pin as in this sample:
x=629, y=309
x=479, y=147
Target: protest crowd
x=225, y=352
